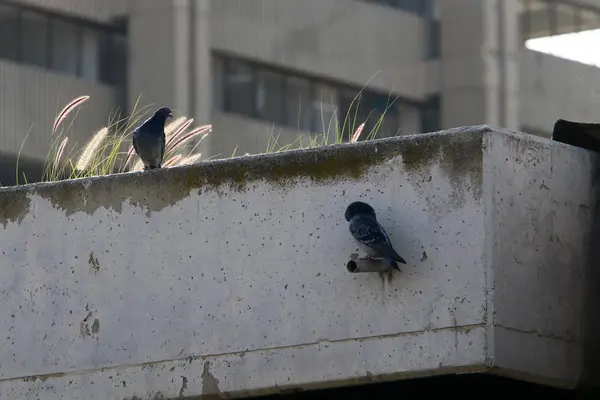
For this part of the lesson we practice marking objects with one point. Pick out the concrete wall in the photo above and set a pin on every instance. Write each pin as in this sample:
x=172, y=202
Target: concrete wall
x=229, y=277
x=31, y=98
x=479, y=62
x=553, y=88
x=542, y=225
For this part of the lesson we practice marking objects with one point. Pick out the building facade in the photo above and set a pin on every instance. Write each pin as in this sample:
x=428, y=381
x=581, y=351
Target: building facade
x=259, y=69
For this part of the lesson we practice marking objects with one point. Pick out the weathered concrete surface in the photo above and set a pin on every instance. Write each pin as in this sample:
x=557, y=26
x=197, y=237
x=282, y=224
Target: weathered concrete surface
x=230, y=277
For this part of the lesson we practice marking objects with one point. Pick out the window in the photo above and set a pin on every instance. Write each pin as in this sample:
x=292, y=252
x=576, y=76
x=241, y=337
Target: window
x=34, y=39
x=298, y=104
x=378, y=112
x=434, y=40
x=431, y=114
x=561, y=29
x=113, y=57
x=239, y=85
x=384, y=118
x=269, y=93
x=543, y=18
x=75, y=47
x=324, y=109
x=303, y=103
x=423, y=8
x=217, y=89
x=65, y=47
x=9, y=32
x=90, y=55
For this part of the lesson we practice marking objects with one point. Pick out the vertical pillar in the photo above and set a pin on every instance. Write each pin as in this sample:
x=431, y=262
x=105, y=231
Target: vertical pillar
x=169, y=56
x=479, y=62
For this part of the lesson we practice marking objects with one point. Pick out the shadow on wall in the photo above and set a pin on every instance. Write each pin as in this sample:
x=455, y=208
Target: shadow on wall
x=469, y=386
x=31, y=169
x=590, y=381
x=587, y=136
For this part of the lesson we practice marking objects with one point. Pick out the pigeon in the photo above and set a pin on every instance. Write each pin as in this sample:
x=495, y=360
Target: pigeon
x=371, y=236
x=149, y=139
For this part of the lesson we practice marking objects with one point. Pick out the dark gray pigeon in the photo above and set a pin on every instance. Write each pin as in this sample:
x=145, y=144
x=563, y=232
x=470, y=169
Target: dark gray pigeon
x=149, y=139
x=371, y=237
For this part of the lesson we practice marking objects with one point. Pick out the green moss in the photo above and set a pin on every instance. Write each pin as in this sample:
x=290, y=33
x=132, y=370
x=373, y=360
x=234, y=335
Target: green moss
x=14, y=205
x=418, y=155
x=64, y=196
x=457, y=154
x=322, y=167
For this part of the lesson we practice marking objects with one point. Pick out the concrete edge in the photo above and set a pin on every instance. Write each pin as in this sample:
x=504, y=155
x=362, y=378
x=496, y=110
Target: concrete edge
x=261, y=372
x=305, y=155
x=394, y=143
x=459, y=150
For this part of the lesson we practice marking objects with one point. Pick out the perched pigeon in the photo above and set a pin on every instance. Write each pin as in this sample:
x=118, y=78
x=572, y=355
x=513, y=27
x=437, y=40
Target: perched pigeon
x=371, y=236
x=149, y=139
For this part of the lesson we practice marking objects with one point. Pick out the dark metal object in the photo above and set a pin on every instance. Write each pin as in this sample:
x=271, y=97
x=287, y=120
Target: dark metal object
x=581, y=134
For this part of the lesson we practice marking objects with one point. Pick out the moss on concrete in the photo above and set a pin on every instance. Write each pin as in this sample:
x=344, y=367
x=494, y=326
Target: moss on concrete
x=458, y=153
x=14, y=205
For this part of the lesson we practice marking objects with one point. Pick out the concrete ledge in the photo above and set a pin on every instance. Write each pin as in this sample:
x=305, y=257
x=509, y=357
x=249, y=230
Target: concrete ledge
x=229, y=277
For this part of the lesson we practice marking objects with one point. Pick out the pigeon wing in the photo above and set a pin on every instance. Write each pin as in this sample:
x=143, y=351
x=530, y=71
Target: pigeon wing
x=134, y=141
x=162, y=146
x=369, y=232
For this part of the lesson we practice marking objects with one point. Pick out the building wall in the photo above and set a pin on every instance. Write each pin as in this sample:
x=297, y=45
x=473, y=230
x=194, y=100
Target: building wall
x=97, y=10
x=32, y=97
x=169, y=56
x=353, y=41
x=553, y=88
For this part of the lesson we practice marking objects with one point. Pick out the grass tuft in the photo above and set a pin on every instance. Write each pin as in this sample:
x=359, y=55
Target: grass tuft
x=110, y=149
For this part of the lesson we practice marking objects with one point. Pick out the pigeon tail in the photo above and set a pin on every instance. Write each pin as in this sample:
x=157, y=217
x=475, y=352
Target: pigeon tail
x=393, y=263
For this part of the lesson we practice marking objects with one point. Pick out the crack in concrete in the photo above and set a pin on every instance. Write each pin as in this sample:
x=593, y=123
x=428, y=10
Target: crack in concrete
x=242, y=353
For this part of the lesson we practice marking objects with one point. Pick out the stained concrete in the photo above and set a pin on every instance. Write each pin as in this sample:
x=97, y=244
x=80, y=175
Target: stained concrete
x=228, y=278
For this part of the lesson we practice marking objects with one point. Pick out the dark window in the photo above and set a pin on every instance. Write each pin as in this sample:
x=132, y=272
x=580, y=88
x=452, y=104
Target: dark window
x=431, y=114
x=34, y=39
x=113, y=62
x=298, y=103
x=434, y=40
x=269, y=96
x=90, y=54
x=217, y=88
x=385, y=123
x=75, y=47
x=542, y=18
x=378, y=112
x=239, y=86
x=302, y=103
x=325, y=109
x=423, y=8
x=66, y=53
x=113, y=57
x=9, y=32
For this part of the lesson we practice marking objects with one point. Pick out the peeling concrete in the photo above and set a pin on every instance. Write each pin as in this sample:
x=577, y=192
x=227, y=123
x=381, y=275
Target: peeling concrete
x=94, y=264
x=210, y=384
x=96, y=325
x=14, y=205
x=200, y=281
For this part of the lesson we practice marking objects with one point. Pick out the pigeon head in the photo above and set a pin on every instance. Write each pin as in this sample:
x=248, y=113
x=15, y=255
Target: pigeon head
x=358, y=208
x=163, y=113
